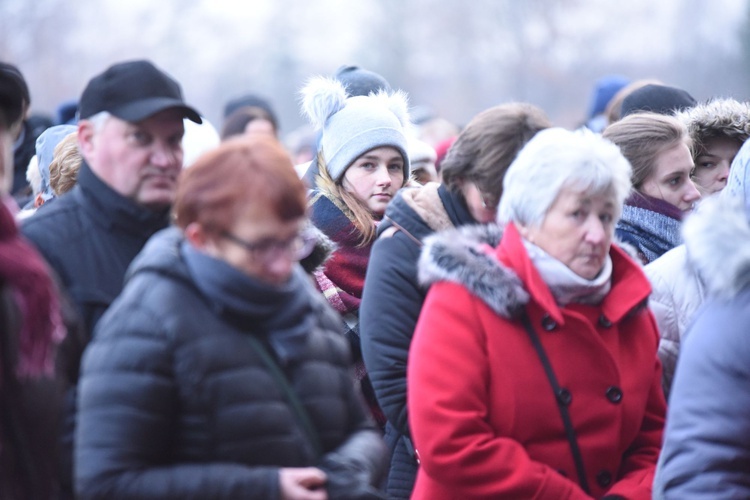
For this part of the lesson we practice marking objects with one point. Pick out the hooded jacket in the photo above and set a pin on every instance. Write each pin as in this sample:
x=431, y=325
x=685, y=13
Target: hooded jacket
x=718, y=117
x=482, y=412
x=706, y=451
x=175, y=402
x=678, y=277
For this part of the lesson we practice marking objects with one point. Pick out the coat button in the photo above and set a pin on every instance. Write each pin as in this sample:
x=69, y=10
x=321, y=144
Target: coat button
x=564, y=397
x=614, y=394
x=604, y=478
x=548, y=323
x=604, y=322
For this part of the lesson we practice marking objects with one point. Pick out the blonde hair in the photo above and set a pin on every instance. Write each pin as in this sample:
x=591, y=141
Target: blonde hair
x=63, y=171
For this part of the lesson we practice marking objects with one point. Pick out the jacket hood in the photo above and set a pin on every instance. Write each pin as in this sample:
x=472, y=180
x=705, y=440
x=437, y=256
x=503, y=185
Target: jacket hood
x=459, y=256
x=717, y=235
x=418, y=210
x=717, y=117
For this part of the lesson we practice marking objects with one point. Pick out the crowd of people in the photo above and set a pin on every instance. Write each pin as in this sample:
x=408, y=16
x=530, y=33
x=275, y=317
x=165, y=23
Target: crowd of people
x=391, y=307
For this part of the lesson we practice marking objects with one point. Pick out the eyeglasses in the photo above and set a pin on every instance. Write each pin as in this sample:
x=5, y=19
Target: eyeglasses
x=267, y=250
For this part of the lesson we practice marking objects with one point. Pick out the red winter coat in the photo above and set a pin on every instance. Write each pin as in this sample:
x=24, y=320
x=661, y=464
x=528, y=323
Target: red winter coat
x=482, y=411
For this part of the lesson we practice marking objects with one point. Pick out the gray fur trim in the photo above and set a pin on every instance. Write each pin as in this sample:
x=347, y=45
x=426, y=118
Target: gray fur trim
x=322, y=251
x=717, y=239
x=455, y=255
x=717, y=117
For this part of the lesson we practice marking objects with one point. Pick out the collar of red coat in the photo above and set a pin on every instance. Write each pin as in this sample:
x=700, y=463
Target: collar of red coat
x=630, y=287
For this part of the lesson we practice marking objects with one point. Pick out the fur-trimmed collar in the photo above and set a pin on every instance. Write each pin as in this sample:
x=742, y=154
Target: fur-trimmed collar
x=458, y=256
x=717, y=238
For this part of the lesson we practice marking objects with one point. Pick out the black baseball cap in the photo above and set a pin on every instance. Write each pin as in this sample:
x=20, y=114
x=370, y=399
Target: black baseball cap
x=133, y=91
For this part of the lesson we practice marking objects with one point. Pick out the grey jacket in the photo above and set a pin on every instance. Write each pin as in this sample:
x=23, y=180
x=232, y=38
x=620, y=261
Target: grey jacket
x=706, y=451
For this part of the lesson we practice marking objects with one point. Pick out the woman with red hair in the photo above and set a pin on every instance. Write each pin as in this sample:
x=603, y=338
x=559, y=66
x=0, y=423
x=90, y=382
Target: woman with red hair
x=219, y=372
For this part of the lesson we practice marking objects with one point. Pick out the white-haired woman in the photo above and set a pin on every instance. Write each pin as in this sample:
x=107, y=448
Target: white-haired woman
x=362, y=163
x=533, y=369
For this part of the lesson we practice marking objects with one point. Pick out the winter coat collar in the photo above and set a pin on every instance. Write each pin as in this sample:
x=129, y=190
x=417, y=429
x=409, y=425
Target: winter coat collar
x=419, y=211
x=505, y=278
x=112, y=210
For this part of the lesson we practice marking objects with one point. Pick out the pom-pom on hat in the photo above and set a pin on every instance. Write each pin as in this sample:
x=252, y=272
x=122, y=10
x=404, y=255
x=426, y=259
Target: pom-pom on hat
x=355, y=125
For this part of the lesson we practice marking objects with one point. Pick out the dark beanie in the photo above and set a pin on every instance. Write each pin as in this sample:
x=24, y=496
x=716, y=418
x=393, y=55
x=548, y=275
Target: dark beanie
x=660, y=99
x=13, y=93
x=251, y=101
x=360, y=82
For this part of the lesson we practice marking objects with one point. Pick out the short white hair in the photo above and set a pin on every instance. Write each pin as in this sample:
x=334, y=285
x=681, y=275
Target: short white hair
x=556, y=159
x=34, y=176
x=99, y=119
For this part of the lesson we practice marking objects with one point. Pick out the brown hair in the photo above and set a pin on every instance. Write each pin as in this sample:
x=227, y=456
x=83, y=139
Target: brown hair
x=237, y=174
x=641, y=137
x=63, y=170
x=488, y=145
x=236, y=122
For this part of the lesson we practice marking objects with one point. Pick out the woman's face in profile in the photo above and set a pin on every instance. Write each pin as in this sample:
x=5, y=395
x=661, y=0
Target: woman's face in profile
x=577, y=230
x=712, y=164
x=670, y=178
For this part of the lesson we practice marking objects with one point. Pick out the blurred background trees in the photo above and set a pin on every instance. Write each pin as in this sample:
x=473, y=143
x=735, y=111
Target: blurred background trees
x=456, y=57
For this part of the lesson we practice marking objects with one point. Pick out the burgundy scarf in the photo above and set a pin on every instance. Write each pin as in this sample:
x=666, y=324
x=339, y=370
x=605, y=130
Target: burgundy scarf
x=343, y=278
x=25, y=272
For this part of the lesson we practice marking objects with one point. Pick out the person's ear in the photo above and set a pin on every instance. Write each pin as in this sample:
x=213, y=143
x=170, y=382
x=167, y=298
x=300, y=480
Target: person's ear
x=196, y=235
x=38, y=200
x=523, y=230
x=86, y=134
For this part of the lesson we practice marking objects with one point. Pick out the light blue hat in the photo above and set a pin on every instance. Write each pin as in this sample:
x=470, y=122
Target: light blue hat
x=45, y=153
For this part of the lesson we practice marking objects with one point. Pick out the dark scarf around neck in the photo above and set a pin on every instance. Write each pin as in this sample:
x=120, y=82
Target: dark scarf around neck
x=280, y=315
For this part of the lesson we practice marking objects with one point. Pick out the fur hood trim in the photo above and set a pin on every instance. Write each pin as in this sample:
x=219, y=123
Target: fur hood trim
x=717, y=238
x=717, y=117
x=458, y=256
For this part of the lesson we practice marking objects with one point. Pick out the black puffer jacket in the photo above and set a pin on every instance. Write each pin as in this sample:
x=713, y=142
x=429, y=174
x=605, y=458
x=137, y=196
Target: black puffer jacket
x=175, y=402
x=391, y=302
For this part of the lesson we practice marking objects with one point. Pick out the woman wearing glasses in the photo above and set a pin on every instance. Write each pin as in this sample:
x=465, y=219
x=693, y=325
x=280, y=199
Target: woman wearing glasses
x=220, y=372
x=362, y=163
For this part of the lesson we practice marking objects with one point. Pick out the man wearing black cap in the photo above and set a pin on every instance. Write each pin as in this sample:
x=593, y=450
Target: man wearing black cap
x=130, y=136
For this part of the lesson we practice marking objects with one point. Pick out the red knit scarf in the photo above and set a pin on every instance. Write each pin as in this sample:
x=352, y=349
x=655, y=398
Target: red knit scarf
x=35, y=294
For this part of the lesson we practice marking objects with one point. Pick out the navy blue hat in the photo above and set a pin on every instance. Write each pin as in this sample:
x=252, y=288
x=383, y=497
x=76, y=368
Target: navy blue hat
x=604, y=90
x=133, y=91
